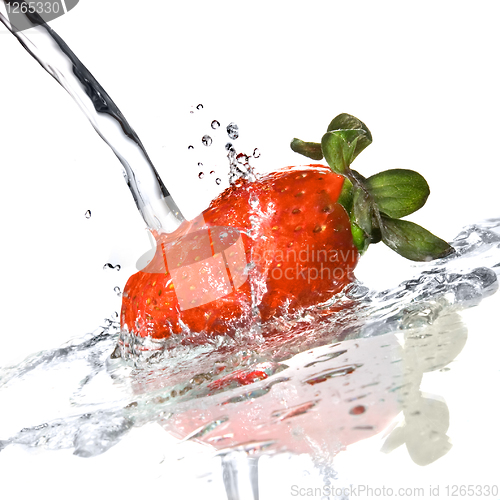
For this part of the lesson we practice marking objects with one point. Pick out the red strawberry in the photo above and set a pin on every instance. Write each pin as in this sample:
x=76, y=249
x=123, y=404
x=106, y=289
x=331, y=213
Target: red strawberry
x=262, y=249
x=270, y=248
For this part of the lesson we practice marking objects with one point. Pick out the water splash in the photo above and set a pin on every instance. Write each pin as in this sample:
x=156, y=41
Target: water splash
x=335, y=378
x=206, y=140
x=233, y=131
x=239, y=167
x=107, y=266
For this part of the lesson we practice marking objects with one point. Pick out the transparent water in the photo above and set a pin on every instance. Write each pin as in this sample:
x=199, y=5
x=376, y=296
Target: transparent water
x=317, y=388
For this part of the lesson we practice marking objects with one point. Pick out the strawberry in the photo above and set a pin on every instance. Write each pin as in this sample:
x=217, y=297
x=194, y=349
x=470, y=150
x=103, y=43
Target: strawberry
x=279, y=245
x=262, y=249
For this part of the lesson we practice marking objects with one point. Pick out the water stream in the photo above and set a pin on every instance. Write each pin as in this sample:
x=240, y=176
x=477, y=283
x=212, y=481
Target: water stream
x=159, y=210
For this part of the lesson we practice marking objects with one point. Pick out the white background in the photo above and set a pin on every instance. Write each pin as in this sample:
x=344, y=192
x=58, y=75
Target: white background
x=422, y=75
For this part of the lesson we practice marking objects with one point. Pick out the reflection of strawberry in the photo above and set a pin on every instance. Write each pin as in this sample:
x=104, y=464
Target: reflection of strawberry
x=262, y=249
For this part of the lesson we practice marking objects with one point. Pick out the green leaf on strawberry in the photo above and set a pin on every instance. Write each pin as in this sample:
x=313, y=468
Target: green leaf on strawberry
x=376, y=204
x=345, y=122
x=310, y=149
x=339, y=149
x=398, y=192
x=412, y=241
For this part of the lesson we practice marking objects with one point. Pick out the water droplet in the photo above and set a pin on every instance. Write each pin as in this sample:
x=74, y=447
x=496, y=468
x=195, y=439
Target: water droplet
x=190, y=147
x=200, y=164
x=118, y=291
x=256, y=153
x=206, y=140
x=338, y=372
x=294, y=410
x=228, y=146
x=88, y=214
x=201, y=175
x=356, y=291
x=357, y=410
x=201, y=431
x=215, y=124
x=212, y=172
x=233, y=131
x=114, y=315
x=242, y=159
x=218, y=181
x=200, y=106
x=111, y=266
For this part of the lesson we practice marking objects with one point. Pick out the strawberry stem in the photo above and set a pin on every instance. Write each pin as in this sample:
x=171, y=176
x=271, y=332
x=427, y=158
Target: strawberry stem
x=375, y=204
